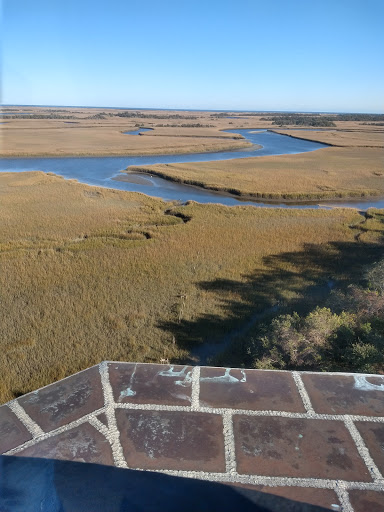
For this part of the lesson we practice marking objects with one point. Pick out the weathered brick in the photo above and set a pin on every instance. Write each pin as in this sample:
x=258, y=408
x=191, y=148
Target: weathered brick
x=151, y=383
x=366, y=501
x=65, y=401
x=172, y=440
x=249, y=389
x=12, y=432
x=82, y=444
x=277, y=446
x=345, y=394
x=373, y=436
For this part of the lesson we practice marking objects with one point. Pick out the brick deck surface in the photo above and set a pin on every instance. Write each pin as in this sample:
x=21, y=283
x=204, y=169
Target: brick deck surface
x=316, y=438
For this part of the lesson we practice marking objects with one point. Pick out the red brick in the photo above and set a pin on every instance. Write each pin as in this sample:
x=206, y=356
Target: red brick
x=249, y=389
x=65, y=401
x=344, y=394
x=82, y=444
x=103, y=418
x=310, y=448
x=151, y=383
x=373, y=435
x=12, y=432
x=366, y=501
x=172, y=440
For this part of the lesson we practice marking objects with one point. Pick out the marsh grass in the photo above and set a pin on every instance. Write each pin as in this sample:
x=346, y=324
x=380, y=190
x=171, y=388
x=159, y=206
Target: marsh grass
x=355, y=137
x=105, y=137
x=329, y=173
x=90, y=274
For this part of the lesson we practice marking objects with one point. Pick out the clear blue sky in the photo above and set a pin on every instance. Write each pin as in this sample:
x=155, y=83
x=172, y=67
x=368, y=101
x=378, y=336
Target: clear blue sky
x=302, y=55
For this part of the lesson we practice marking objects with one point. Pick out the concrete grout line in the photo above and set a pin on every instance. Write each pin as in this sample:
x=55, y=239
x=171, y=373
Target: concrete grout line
x=303, y=393
x=229, y=443
x=195, y=393
x=224, y=477
x=153, y=407
x=104, y=430
x=347, y=374
x=363, y=450
x=272, y=481
x=343, y=496
x=25, y=419
x=113, y=431
x=52, y=433
x=284, y=414
x=337, y=374
x=40, y=435
x=373, y=419
x=99, y=426
x=246, y=412
x=112, y=435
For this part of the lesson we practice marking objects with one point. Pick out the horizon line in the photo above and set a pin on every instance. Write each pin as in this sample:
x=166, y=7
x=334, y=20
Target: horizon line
x=195, y=109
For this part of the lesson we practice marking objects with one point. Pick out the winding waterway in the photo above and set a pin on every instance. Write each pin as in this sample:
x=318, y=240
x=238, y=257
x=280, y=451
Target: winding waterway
x=100, y=171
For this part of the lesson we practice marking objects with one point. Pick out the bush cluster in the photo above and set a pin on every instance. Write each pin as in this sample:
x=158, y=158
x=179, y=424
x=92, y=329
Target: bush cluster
x=346, y=335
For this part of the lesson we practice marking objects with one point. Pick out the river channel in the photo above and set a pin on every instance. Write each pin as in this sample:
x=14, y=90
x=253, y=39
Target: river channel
x=101, y=171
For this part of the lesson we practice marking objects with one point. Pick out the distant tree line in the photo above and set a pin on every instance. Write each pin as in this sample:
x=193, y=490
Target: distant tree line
x=38, y=116
x=59, y=110
x=185, y=125
x=153, y=116
x=300, y=120
x=360, y=117
x=303, y=119
x=54, y=115
x=320, y=120
x=101, y=115
x=237, y=114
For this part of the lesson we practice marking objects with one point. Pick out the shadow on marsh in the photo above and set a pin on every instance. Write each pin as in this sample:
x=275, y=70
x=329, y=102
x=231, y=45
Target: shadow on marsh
x=291, y=281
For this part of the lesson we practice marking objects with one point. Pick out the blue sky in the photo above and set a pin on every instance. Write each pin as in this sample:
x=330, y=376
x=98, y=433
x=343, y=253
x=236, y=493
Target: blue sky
x=278, y=55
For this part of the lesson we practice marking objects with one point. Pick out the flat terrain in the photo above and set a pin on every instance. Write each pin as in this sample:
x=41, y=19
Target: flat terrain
x=327, y=173
x=90, y=274
x=352, y=167
x=346, y=135
x=79, y=134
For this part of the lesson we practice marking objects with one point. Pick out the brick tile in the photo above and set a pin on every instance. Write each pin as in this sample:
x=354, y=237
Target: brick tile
x=65, y=401
x=366, y=501
x=311, y=448
x=151, y=383
x=325, y=498
x=82, y=444
x=249, y=389
x=373, y=435
x=103, y=418
x=12, y=432
x=344, y=394
x=172, y=440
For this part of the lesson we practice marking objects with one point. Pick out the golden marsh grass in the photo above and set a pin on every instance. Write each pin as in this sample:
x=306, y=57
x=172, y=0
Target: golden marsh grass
x=327, y=173
x=89, y=274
